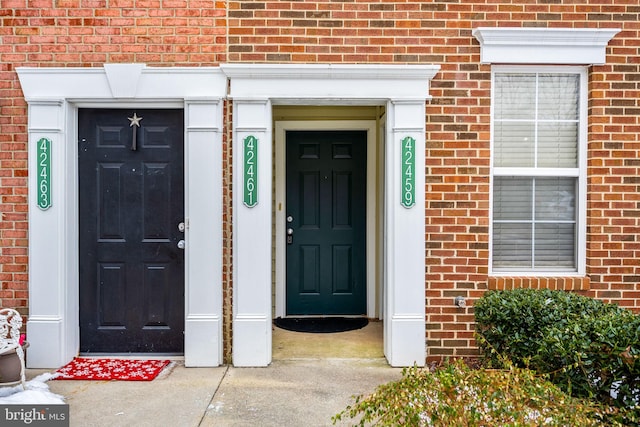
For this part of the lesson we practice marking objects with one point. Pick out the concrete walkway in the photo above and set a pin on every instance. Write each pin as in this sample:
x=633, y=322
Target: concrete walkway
x=312, y=377
x=295, y=392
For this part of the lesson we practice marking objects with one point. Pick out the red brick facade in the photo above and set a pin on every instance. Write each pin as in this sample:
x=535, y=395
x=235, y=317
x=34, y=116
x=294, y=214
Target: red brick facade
x=87, y=33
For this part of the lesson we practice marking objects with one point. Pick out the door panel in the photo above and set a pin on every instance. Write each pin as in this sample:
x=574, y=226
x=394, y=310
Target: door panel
x=131, y=199
x=326, y=200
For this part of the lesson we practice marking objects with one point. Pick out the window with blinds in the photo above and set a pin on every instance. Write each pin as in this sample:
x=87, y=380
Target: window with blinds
x=536, y=171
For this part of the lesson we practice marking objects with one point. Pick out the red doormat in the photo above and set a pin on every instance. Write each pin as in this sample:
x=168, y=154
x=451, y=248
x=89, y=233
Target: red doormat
x=111, y=369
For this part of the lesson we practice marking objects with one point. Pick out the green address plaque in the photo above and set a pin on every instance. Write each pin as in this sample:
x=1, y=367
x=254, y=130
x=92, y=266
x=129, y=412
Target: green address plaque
x=43, y=174
x=408, y=179
x=250, y=184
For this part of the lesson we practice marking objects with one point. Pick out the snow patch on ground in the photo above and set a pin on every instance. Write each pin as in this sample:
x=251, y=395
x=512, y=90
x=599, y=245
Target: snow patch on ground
x=36, y=393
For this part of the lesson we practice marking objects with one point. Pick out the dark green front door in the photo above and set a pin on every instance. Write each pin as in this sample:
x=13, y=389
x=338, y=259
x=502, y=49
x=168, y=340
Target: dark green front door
x=326, y=222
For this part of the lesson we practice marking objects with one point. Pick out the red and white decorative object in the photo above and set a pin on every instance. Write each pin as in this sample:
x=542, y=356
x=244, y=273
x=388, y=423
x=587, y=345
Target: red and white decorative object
x=111, y=369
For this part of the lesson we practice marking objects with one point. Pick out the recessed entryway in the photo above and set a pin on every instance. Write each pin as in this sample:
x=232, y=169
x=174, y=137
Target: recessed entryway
x=350, y=226
x=325, y=212
x=402, y=90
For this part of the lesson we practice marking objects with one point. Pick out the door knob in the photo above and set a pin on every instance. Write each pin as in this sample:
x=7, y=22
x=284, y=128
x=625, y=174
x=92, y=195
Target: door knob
x=181, y=244
x=289, y=236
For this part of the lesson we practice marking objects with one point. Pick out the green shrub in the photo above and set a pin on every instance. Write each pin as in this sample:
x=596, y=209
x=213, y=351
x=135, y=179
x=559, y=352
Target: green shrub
x=585, y=346
x=456, y=395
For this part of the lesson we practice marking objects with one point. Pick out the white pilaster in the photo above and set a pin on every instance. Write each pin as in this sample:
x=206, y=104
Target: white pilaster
x=50, y=325
x=203, y=257
x=252, y=238
x=404, y=335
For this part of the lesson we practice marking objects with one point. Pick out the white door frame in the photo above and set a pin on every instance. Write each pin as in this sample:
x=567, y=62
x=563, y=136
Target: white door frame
x=281, y=127
x=403, y=90
x=53, y=96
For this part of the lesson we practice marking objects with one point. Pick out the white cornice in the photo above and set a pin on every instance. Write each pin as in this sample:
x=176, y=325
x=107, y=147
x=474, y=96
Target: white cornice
x=329, y=71
x=291, y=82
x=544, y=45
x=122, y=81
x=329, y=81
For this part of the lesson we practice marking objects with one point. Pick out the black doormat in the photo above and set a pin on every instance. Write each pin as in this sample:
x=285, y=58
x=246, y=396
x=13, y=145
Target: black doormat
x=321, y=325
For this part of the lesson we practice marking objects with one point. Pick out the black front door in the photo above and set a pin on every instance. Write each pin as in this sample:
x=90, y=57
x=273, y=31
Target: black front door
x=326, y=222
x=131, y=202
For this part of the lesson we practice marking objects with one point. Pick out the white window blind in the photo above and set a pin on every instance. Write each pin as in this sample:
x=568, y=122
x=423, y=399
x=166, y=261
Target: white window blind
x=536, y=171
x=534, y=223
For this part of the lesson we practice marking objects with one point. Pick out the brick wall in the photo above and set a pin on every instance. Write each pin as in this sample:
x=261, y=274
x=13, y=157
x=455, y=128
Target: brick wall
x=88, y=33
x=227, y=233
x=82, y=33
x=613, y=229
x=332, y=31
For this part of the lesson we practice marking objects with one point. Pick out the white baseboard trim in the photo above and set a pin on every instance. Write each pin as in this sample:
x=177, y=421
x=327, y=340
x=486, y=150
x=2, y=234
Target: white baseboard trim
x=407, y=340
x=46, y=343
x=202, y=341
x=251, y=341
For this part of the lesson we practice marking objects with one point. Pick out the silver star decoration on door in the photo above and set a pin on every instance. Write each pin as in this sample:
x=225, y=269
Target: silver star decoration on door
x=135, y=120
x=135, y=123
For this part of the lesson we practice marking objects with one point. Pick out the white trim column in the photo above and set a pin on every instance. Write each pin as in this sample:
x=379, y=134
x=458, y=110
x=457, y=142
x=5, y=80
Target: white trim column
x=404, y=293
x=252, y=248
x=203, y=212
x=51, y=320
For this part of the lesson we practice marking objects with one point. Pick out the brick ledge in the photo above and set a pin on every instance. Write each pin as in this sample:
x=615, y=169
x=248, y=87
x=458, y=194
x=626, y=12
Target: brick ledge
x=555, y=283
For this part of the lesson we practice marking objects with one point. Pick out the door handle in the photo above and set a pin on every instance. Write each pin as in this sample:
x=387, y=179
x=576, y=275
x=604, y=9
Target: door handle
x=181, y=244
x=289, y=236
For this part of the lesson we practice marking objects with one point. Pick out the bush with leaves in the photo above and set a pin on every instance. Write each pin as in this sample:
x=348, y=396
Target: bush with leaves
x=456, y=395
x=585, y=346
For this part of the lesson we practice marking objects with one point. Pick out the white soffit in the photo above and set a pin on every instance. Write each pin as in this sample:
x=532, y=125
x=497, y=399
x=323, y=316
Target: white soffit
x=543, y=45
x=355, y=82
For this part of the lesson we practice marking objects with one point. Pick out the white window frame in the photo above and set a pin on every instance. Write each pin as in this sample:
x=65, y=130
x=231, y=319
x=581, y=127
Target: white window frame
x=580, y=172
